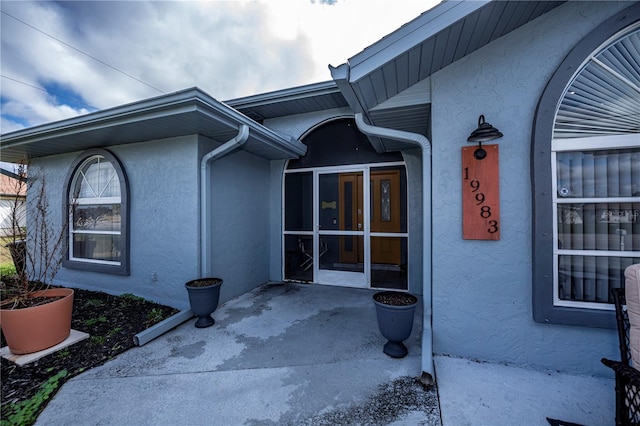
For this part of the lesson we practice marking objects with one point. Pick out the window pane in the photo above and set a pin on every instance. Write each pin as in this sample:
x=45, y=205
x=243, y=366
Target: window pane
x=589, y=278
x=298, y=193
x=389, y=262
x=342, y=253
x=98, y=247
x=97, y=179
x=598, y=174
x=601, y=226
x=97, y=217
x=298, y=262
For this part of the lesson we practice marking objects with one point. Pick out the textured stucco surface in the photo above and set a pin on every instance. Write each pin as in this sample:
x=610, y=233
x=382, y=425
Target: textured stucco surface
x=163, y=219
x=240, y=222
x=482, y=289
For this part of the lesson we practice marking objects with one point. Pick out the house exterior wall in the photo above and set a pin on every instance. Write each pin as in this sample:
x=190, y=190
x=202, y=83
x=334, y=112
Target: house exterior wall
x=240, y=221
x=482, y=290
x=163, y=191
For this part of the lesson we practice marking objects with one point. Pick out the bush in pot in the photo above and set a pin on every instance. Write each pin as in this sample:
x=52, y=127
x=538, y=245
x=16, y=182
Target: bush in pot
x=32, y=315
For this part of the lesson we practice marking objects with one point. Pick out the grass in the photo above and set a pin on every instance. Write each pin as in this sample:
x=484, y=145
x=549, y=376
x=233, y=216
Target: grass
x=6, y=263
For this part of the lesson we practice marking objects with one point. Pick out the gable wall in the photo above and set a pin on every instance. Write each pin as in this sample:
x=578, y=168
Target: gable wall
x=482, y=289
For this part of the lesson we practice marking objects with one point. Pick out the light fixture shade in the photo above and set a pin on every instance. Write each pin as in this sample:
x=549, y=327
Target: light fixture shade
x=484, y=132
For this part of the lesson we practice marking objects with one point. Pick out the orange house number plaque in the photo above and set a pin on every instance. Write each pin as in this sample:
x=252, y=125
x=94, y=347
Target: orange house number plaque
x=480, y=194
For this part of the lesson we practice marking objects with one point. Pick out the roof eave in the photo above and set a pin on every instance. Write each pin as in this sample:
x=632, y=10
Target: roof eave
x=189, y=101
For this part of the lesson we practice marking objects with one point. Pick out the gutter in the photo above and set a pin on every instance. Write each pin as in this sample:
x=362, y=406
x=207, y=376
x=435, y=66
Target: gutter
x=204, y=263
x=428, y=374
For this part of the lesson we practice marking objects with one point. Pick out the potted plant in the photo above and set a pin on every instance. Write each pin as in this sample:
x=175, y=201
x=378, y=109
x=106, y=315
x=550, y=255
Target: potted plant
x=204, y=294
x=395, y=311
x=32, y=315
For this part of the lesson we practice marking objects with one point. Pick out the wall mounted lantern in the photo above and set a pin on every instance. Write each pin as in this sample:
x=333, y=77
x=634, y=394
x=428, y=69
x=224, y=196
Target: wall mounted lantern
x=485, y=132
x=481, y=185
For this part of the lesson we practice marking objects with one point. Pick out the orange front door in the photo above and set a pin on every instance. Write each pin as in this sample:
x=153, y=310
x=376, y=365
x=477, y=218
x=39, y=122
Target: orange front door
x=385, y=216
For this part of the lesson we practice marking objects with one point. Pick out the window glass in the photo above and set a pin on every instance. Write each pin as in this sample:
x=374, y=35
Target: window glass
x=97, y=214
x=597, y=222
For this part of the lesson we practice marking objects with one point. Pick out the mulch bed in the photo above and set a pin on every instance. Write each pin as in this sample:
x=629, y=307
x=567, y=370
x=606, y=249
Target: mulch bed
x=111, y=322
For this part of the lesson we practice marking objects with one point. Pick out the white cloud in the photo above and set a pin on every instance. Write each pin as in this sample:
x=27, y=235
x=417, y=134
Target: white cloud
x=227, y=48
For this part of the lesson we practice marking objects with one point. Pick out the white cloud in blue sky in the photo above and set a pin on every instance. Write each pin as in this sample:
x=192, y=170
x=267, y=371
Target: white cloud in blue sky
x=227, y=48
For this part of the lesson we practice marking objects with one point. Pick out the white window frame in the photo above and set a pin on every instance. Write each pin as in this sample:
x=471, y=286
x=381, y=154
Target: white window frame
x=585, y=144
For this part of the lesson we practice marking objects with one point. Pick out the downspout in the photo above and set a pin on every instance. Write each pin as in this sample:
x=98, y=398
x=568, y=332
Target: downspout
x=173, y=321
x=205, y=195
x=428, y=375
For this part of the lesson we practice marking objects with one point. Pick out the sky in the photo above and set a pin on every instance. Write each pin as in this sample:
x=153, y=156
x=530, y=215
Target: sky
x=63, y=59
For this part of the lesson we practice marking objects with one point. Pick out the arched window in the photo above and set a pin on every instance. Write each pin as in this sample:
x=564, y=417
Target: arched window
x=97, y=200
x=586, y=177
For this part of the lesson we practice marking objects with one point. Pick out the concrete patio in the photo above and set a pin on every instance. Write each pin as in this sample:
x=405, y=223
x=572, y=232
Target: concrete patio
x=309, y=354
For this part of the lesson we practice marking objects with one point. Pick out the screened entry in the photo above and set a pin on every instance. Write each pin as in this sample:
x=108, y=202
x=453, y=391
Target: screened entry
x=345, y=214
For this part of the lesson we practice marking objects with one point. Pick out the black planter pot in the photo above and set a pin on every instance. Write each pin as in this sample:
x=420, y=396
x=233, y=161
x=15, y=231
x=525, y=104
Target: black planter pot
x=204, y=294
x=395, y=311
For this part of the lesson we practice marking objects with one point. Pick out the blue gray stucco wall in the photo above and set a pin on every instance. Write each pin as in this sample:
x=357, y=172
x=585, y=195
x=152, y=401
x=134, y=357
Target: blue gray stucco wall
x=240, y=220
x=482, y=289
x=164, y=177
x=163, y=213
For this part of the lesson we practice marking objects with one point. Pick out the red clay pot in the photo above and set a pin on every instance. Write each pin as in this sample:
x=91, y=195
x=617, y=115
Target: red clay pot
x=40, y=327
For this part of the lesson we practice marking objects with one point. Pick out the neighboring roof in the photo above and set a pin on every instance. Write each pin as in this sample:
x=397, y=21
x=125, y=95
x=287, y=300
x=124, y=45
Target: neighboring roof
x=10, y=187
x=375, y=77
x=291, y=101
x=186, y=112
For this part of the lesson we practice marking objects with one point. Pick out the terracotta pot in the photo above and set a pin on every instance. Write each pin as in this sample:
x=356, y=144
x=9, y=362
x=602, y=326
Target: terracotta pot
x=40, y=327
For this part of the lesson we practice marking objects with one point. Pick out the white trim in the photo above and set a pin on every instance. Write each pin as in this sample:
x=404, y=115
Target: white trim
x=96, y=200
x=596, y=143
x=95, y=261
x=83, y=231
x=334, y=277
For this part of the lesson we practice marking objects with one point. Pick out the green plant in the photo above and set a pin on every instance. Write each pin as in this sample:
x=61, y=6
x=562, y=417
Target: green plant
x=97, y=340
x=154, y=316
x=94, y=321
x=26, y=412
x=93, y=303
x=63, y=353
x=129, y=298
x=114, y=331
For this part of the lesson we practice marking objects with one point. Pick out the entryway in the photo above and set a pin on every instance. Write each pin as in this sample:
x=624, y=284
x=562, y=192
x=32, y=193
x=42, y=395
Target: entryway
x=339, y=230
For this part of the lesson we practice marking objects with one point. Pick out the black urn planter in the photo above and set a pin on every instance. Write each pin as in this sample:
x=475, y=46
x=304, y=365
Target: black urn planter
x=204, y=294
x=395, y=311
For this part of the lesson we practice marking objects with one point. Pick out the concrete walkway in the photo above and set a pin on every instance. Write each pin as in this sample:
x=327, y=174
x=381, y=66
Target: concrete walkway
x=288, y=354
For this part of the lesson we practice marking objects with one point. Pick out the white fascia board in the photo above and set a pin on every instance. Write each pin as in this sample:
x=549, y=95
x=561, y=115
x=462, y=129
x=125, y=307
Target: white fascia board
x=410, y=35
x=292, y=93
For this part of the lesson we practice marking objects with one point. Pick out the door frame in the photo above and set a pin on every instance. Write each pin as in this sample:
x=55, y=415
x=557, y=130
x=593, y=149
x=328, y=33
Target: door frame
x=342, y=278
x=333, y=277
